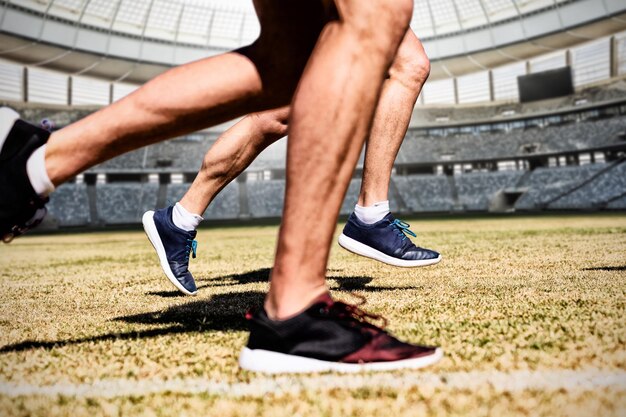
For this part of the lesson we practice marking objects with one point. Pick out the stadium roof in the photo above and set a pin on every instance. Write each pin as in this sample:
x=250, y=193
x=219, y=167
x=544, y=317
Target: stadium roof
x=170, y=32
x=221, y=23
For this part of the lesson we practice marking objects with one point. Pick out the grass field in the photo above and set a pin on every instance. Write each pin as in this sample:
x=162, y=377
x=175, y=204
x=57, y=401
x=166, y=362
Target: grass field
x=531, y=313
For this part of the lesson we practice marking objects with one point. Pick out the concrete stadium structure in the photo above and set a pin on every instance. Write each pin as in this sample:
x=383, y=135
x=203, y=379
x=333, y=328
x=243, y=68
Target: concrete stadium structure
x=471, y=147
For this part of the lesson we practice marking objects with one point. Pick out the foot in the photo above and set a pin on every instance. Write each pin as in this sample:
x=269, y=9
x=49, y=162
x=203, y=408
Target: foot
x=328, y=336
x=386, y=241
x=21, y=209
x=173, y=246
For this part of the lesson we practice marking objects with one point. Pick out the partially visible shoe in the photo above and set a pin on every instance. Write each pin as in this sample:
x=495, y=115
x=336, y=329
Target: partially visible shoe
x=173, y=247
x=386, y=241
x=21, y=208
x=328, y=336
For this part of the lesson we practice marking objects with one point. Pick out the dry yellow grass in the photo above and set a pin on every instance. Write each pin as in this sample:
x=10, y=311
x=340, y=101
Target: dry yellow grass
x=340, y=403
x=512, y=293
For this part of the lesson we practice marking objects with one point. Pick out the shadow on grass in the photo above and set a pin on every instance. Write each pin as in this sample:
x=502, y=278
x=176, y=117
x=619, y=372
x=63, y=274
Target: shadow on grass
x=351, y=283
x=223, y=312
x=360, y=284
x=263, y=275
x=251, y=277
x=606, y=268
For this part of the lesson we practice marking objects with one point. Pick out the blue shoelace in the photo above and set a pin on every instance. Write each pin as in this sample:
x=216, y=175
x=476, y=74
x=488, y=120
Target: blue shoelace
x=191, y=246
x=402, y=228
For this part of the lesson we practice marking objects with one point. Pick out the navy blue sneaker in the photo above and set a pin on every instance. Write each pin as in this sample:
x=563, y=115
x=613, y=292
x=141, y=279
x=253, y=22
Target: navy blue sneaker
x=21, y=208
x=386, y=241
x=173, y=246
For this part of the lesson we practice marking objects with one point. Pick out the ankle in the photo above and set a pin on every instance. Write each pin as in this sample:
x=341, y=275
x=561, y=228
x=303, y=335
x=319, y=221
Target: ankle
x=372, y=214
x=368, y=197
x=185, y=220
x=58, y=167
x=289, y=304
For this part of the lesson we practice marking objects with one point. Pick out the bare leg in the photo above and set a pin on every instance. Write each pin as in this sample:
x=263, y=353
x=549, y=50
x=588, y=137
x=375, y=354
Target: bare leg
x=331, y=116
x=165, y=107
x=199, y=94
x=407, y=75
x=240, y=145
x=233, y=152
x=171, y=230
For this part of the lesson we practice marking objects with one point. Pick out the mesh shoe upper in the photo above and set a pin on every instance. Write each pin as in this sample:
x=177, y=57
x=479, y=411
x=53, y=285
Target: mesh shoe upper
x=20, y=207
x=330, y=331
x=387, y=236
x=178, y=245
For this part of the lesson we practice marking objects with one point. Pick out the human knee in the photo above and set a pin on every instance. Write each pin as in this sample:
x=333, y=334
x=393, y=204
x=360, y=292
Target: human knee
x=411, y=65
x=272, y=123
x=374, y=13
x=383, y=21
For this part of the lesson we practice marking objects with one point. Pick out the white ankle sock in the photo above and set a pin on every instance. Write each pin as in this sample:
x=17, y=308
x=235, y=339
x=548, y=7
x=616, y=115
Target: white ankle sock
x=372, y=214
x=37, y=174
x=184, y=219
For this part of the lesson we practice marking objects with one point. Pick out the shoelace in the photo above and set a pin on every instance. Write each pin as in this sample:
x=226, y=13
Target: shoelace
x=344, y=311
x=402, y=228
x=47, y=124
x=191, y=246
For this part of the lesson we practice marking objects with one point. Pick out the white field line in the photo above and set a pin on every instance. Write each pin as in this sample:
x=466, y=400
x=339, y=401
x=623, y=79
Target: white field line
x=514, y=381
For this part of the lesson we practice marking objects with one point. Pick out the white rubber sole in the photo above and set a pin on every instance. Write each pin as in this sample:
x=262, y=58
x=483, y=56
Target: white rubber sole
x=359, y=248
x=269, y=362
x=153, y=236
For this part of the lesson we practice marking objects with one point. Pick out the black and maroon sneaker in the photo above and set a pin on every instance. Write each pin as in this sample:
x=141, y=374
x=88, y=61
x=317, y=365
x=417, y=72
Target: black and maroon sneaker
x=328, y=336
x=21, y=209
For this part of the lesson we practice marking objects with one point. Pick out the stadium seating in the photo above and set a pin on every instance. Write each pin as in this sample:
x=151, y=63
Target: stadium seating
x=618, y=204
x=265, y=198
x=587, y=187
x=425, y=149
x=425, y=193
x=420, y=148
x=273, y=157
x=69, y=205
x=546, y=184
x=606, y=186
x=224, y=206
x=468, y=113
x=124, y=203
x=178, y=155
x=186, y=155
x=135, y=160
x=475, y=190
